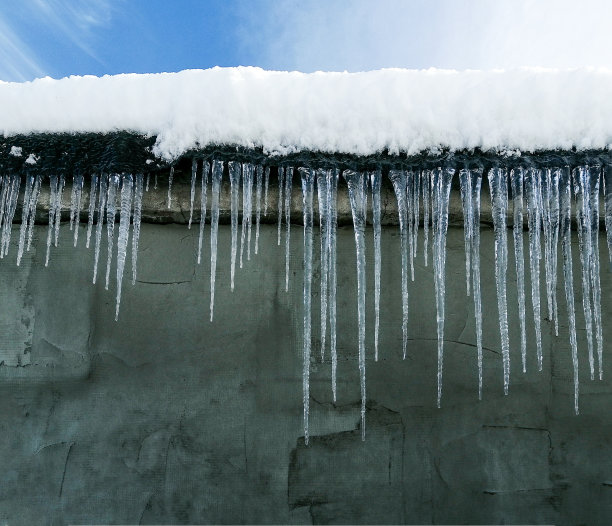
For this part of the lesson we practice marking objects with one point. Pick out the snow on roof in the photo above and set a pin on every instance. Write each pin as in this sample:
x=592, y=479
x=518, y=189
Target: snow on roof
x=398, y=110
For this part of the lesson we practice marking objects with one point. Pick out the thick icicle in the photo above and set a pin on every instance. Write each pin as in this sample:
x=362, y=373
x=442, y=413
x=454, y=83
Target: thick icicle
x=356, y=182
x=92, y=207
x=332, y=210
x=441, y=184
x=77, y=207
x=409, y=203
x=194, y=176
x=607, y=174
x=476, y=176
x=266, y=184
x=25, y=212
x=258, y=185
x=58, y=207
x=398, y=179
x=415, y=211
x=217, y=173
x=101, y=208
x=584, y=242
x=137, y=215
x=53, y=191
x=322, y=194
x=247, y=209
x=532, y=185
x=111, y=210
x=234, y=173
x=10, y=214
x=550, y=209
x=288, y=182
x=516, y=181
x=376, y=179
x=204, y=183
x=465, y=182
x=498, y=184
x=308, y=177
x=33, y=203
x=73, y=199
x=593, y=188
x=425, y=178
x=565, y=196
x=170, y=178
x=124, y=233
x=281, y=184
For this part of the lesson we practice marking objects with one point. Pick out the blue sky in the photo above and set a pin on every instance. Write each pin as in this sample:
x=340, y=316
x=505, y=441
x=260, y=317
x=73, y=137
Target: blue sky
x=58, y=38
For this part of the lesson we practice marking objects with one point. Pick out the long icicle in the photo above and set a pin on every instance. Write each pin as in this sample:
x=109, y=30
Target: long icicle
x=124, y=233
x=332, y=210
x=247, y=193
x=58, y=207
x=565, y=195
x=476, y=176
x=234, y=173
x=111, y=211
x=376, y=180
x=441, y=179
x=398, y=179
x=410, y=217
x=170, y=179
x=307, y=177
x=203, y=186
x=77, y=205
x=356, y=182
x=465, y=183
x=288, y=182
x=607, y=180
x=266, y=185
x=416, y=211
x=101, y=208
x=322, y=195
x=516, y=180
x=281, y=184
x=137, y=216
x=25, y=212
x=92, y=207
x=217, y=173
x=194, y=176
x=53, y=184
x=33, y=203
x=593, y=188
x=425, y=178
x=258, y=188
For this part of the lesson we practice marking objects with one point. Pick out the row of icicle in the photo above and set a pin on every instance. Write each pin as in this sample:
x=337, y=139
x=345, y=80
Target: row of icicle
x=546, y=194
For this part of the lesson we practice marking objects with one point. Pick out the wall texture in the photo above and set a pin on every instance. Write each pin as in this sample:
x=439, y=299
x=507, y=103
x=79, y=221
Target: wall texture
x=164, y=417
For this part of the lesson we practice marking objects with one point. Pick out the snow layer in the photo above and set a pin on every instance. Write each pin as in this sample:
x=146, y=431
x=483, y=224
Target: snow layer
x=361, y=113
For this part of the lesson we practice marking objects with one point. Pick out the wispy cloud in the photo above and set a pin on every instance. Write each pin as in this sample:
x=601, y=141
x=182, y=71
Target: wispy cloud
x=17, y=61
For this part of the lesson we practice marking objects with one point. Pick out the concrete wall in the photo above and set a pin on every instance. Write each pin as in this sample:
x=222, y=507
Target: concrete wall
x=163, y=417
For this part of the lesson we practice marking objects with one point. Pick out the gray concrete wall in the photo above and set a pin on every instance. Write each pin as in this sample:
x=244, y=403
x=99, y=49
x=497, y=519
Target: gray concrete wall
x=164, y=417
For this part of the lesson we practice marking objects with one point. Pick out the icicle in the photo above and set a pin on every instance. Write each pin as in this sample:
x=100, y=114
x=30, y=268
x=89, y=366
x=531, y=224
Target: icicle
x=111, y=209
x=73, y=200
x=584, y=244
x=332, y=210
x=247, y=209
x=281, y=183
x=32, y=216
x=101, y=208
x=307, y=176
x=550, y=202
x=498, y=184
x=53, y=191
x=376, y=179
x=398, y=179
x=148, y=179
x=170, y=178
x=465, y=182
x=137, y=215
x=607, y=174
x=234, y=173
x=10, y=208
x=566, y=233
x=194, y=175
x=92, y=207
x=58, y=207
x=124, y=234
x=25, y=211
x=77, y=214
x=217, y=173
x=322, y=194
x=415, y=211
x=441, y=184
x=532, y=184
x=266, y=184
x=288, y=181
x=476, y=176
x=204, y=183
x=593, y=188
x=425, y=176
x=258, y=184
x=356, y=186
x=409, y=203
x=516, y=181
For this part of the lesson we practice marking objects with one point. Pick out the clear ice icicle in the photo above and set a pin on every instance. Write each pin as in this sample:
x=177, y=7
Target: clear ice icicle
x=476, y=176
x=441, y=185
x=53, y=191
x=550, y=209
x=58, y=207
x=217, y=173
x=12, y=202
x=498, y=185
x=78, y=181
x=465, y=183
x=565, y=196
x=234, y=173
x=204, y=183
x=288, y=182
x=194, y=176
x=375, y=180
x=516, y=181
x=425, y=183
x=247, y=209
x=307, y=177
x=92, y=207
x=170, y=178
x=532, y=185
x=607, y=174
x=398, y=179
x=73, y=200
x=409, y=203
x=124, y=233
x=32, y=215
x=266, y=184
x=322, y=194
x=137, y=215
x=101, y=208
x=332, y=211
x=281, y=184
x=258, y=185
x=25, y=212
x=111, y=210
x=357, y=185
x=416, y=181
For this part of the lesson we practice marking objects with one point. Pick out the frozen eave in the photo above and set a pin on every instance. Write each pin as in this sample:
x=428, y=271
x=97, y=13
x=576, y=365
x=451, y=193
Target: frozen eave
x=396, y=111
